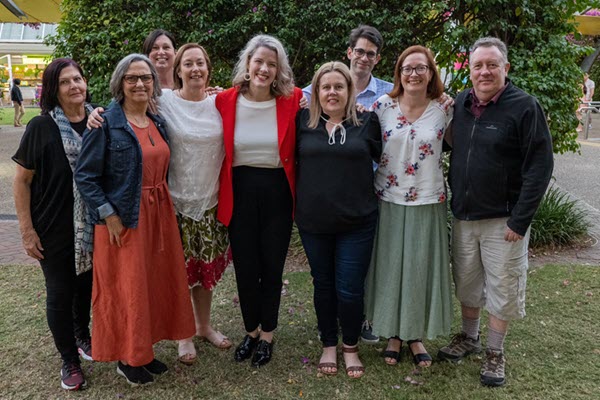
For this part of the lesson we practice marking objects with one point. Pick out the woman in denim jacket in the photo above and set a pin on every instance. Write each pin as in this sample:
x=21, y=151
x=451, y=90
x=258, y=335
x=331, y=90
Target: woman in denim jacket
x=140, y=294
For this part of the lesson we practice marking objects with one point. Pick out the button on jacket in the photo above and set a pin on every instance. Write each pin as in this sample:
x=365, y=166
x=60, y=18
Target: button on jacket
x=109, y=169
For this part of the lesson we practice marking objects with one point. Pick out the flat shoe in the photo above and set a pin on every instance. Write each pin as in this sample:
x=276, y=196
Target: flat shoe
x=321, y=368
x=222, y=344
x=263, y=353
x=245, y=348
x=419, y=357
x=187, y=353
x=394, y=355
x=355, y=368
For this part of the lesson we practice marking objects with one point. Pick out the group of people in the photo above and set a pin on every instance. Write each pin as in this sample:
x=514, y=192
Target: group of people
x=365, y=185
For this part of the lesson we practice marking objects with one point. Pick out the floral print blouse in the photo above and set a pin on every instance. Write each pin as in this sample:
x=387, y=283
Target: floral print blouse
x=410, y=170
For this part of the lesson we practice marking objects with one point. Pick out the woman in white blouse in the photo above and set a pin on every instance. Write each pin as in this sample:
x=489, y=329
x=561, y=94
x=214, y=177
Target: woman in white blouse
x=408, y=286
x=196, y=138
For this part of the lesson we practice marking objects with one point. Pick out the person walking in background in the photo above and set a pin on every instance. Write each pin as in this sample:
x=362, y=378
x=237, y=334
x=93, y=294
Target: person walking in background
x=408, y=285
x=257, y=185
x=17, y=98
x=500, y=167
x=336, y=211
x=590, y=86
x=54, y=223
x=140, y=288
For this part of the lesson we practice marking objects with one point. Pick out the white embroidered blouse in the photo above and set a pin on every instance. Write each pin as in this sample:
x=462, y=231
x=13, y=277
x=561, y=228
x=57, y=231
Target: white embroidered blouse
x=195, y=134
x=410, y=170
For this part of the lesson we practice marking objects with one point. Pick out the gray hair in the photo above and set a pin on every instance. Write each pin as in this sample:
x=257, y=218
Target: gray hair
x=492, y=42
x=116, y=80
x=284, y=77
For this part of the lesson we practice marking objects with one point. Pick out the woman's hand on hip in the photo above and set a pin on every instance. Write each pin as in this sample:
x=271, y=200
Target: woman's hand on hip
x=115, y=229
x=32, y=244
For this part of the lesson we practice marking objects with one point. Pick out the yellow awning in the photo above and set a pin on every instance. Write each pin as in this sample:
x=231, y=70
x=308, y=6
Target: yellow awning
x=46, y=11
x=588, y=24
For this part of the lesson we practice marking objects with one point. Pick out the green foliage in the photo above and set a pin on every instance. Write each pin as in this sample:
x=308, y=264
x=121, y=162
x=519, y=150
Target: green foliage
x=558, y=220
x=99, y=34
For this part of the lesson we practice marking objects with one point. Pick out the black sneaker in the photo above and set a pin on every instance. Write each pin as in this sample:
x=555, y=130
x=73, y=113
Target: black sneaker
x=156, y=367
x=134, y=375
x=366, y=334
x=84, y=347
x=71, y=376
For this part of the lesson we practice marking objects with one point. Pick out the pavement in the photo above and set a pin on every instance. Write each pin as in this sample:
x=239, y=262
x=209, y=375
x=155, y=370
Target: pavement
x=578, y=174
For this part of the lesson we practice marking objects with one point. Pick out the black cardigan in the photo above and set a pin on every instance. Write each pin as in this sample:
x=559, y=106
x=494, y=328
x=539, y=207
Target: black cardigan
x=334, y=183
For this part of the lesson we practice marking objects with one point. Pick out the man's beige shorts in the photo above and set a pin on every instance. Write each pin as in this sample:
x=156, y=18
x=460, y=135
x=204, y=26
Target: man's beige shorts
x=489, y=271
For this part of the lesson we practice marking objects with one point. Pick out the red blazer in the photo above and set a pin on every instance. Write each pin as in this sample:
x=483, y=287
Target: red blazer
x=287, y=107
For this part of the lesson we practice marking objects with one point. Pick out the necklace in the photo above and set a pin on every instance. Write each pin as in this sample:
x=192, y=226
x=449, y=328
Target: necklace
x=147, y=128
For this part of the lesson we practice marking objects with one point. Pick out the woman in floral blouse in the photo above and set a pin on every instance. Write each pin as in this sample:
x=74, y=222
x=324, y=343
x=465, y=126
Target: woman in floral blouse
x=408, y=286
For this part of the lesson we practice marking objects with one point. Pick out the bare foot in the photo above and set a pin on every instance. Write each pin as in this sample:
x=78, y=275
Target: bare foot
x=354, y=368
x=216, y=338
x=328, y=362
x=394, y=345
x=417, y=348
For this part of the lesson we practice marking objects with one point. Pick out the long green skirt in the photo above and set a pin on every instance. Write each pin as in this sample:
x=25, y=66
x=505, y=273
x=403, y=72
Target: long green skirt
x=408, y=290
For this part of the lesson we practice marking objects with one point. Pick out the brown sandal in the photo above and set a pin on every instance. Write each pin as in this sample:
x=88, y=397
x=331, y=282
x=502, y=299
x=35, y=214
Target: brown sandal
x=355, y=368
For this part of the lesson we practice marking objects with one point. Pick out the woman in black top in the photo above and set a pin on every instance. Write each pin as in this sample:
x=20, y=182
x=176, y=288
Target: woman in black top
x=336, y=209
x=52, y=218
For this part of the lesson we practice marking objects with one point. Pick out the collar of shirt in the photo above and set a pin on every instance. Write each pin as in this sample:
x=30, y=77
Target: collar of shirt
x=477, y=106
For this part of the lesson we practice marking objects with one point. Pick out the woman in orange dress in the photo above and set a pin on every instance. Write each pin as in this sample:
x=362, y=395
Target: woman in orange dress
x=140, y=293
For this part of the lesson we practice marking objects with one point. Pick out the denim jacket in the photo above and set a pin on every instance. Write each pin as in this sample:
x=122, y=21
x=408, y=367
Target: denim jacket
x=109, y=169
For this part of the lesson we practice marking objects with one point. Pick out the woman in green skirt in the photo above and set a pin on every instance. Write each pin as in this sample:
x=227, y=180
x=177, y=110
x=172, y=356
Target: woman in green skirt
x=408, y=292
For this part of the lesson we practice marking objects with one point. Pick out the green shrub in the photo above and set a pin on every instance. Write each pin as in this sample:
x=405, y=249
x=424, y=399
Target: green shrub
x=558, y=220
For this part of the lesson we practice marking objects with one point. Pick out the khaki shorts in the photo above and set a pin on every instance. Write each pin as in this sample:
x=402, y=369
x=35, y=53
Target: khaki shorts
x=489, y=271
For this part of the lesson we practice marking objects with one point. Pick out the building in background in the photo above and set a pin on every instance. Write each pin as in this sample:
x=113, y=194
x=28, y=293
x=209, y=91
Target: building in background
x=24, y=55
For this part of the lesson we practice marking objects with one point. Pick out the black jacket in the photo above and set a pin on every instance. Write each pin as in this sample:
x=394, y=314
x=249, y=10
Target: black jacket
x=501, y=163
x=15, y=94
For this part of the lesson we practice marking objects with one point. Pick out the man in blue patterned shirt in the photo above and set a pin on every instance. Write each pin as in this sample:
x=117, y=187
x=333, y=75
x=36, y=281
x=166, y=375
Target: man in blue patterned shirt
x=364, y=46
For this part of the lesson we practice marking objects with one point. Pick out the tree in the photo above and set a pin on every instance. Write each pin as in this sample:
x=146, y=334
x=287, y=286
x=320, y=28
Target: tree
x=99, y=34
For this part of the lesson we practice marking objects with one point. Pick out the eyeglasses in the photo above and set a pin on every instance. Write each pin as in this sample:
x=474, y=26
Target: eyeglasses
x=360, y=53
x=133, y=79
x=419, y=69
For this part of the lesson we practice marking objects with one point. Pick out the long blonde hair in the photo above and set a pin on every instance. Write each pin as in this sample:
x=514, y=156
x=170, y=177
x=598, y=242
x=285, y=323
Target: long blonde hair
x=315, y=108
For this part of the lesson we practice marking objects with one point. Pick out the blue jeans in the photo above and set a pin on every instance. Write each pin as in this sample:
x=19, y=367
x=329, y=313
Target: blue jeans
x=338, y=264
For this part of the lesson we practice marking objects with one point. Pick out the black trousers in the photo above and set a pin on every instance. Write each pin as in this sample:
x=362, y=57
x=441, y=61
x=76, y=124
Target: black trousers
x=259, y=233
x=68, y=300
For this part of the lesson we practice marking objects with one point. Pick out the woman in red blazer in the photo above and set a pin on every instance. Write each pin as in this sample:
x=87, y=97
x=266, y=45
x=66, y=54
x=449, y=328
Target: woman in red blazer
x=257, y=185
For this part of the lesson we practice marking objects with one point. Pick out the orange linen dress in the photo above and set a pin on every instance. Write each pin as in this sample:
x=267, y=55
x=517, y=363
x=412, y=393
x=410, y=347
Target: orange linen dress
x=140, y=294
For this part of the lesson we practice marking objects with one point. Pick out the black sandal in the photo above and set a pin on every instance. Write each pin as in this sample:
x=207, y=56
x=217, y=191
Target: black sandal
x=419, y=357
x=395, y=355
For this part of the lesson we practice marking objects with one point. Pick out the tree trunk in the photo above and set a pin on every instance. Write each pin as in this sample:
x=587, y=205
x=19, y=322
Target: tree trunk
x=586, y=64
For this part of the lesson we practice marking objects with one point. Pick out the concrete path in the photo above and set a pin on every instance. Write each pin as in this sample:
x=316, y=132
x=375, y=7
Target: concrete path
x=577, y=174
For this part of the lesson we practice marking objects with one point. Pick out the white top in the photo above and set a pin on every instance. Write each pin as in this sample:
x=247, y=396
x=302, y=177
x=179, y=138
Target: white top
x=255, y=136
x=195, y=134
x=589, y=86
x=410, y=170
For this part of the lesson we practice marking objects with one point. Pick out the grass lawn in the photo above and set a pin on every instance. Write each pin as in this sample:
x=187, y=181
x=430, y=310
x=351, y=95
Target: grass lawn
x=7, y=115
x=554, y=353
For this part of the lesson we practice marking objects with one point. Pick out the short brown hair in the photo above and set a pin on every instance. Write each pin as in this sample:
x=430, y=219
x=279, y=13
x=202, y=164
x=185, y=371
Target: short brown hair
x=435, y=87
x=177, y=63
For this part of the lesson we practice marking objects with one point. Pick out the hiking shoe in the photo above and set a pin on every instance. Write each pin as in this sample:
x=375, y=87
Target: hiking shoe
x=460, y=346
x=84, y=347
x=366, y=334
x=71, y=376
x=492, y=369
x=156, y=367
x=134, y=375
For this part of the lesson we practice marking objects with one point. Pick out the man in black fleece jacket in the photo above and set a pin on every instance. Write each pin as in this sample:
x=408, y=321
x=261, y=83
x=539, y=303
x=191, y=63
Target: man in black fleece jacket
x=500, y=167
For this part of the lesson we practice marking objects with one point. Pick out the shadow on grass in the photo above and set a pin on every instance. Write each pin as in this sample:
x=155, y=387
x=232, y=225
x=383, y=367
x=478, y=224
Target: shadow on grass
x=554, y=353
